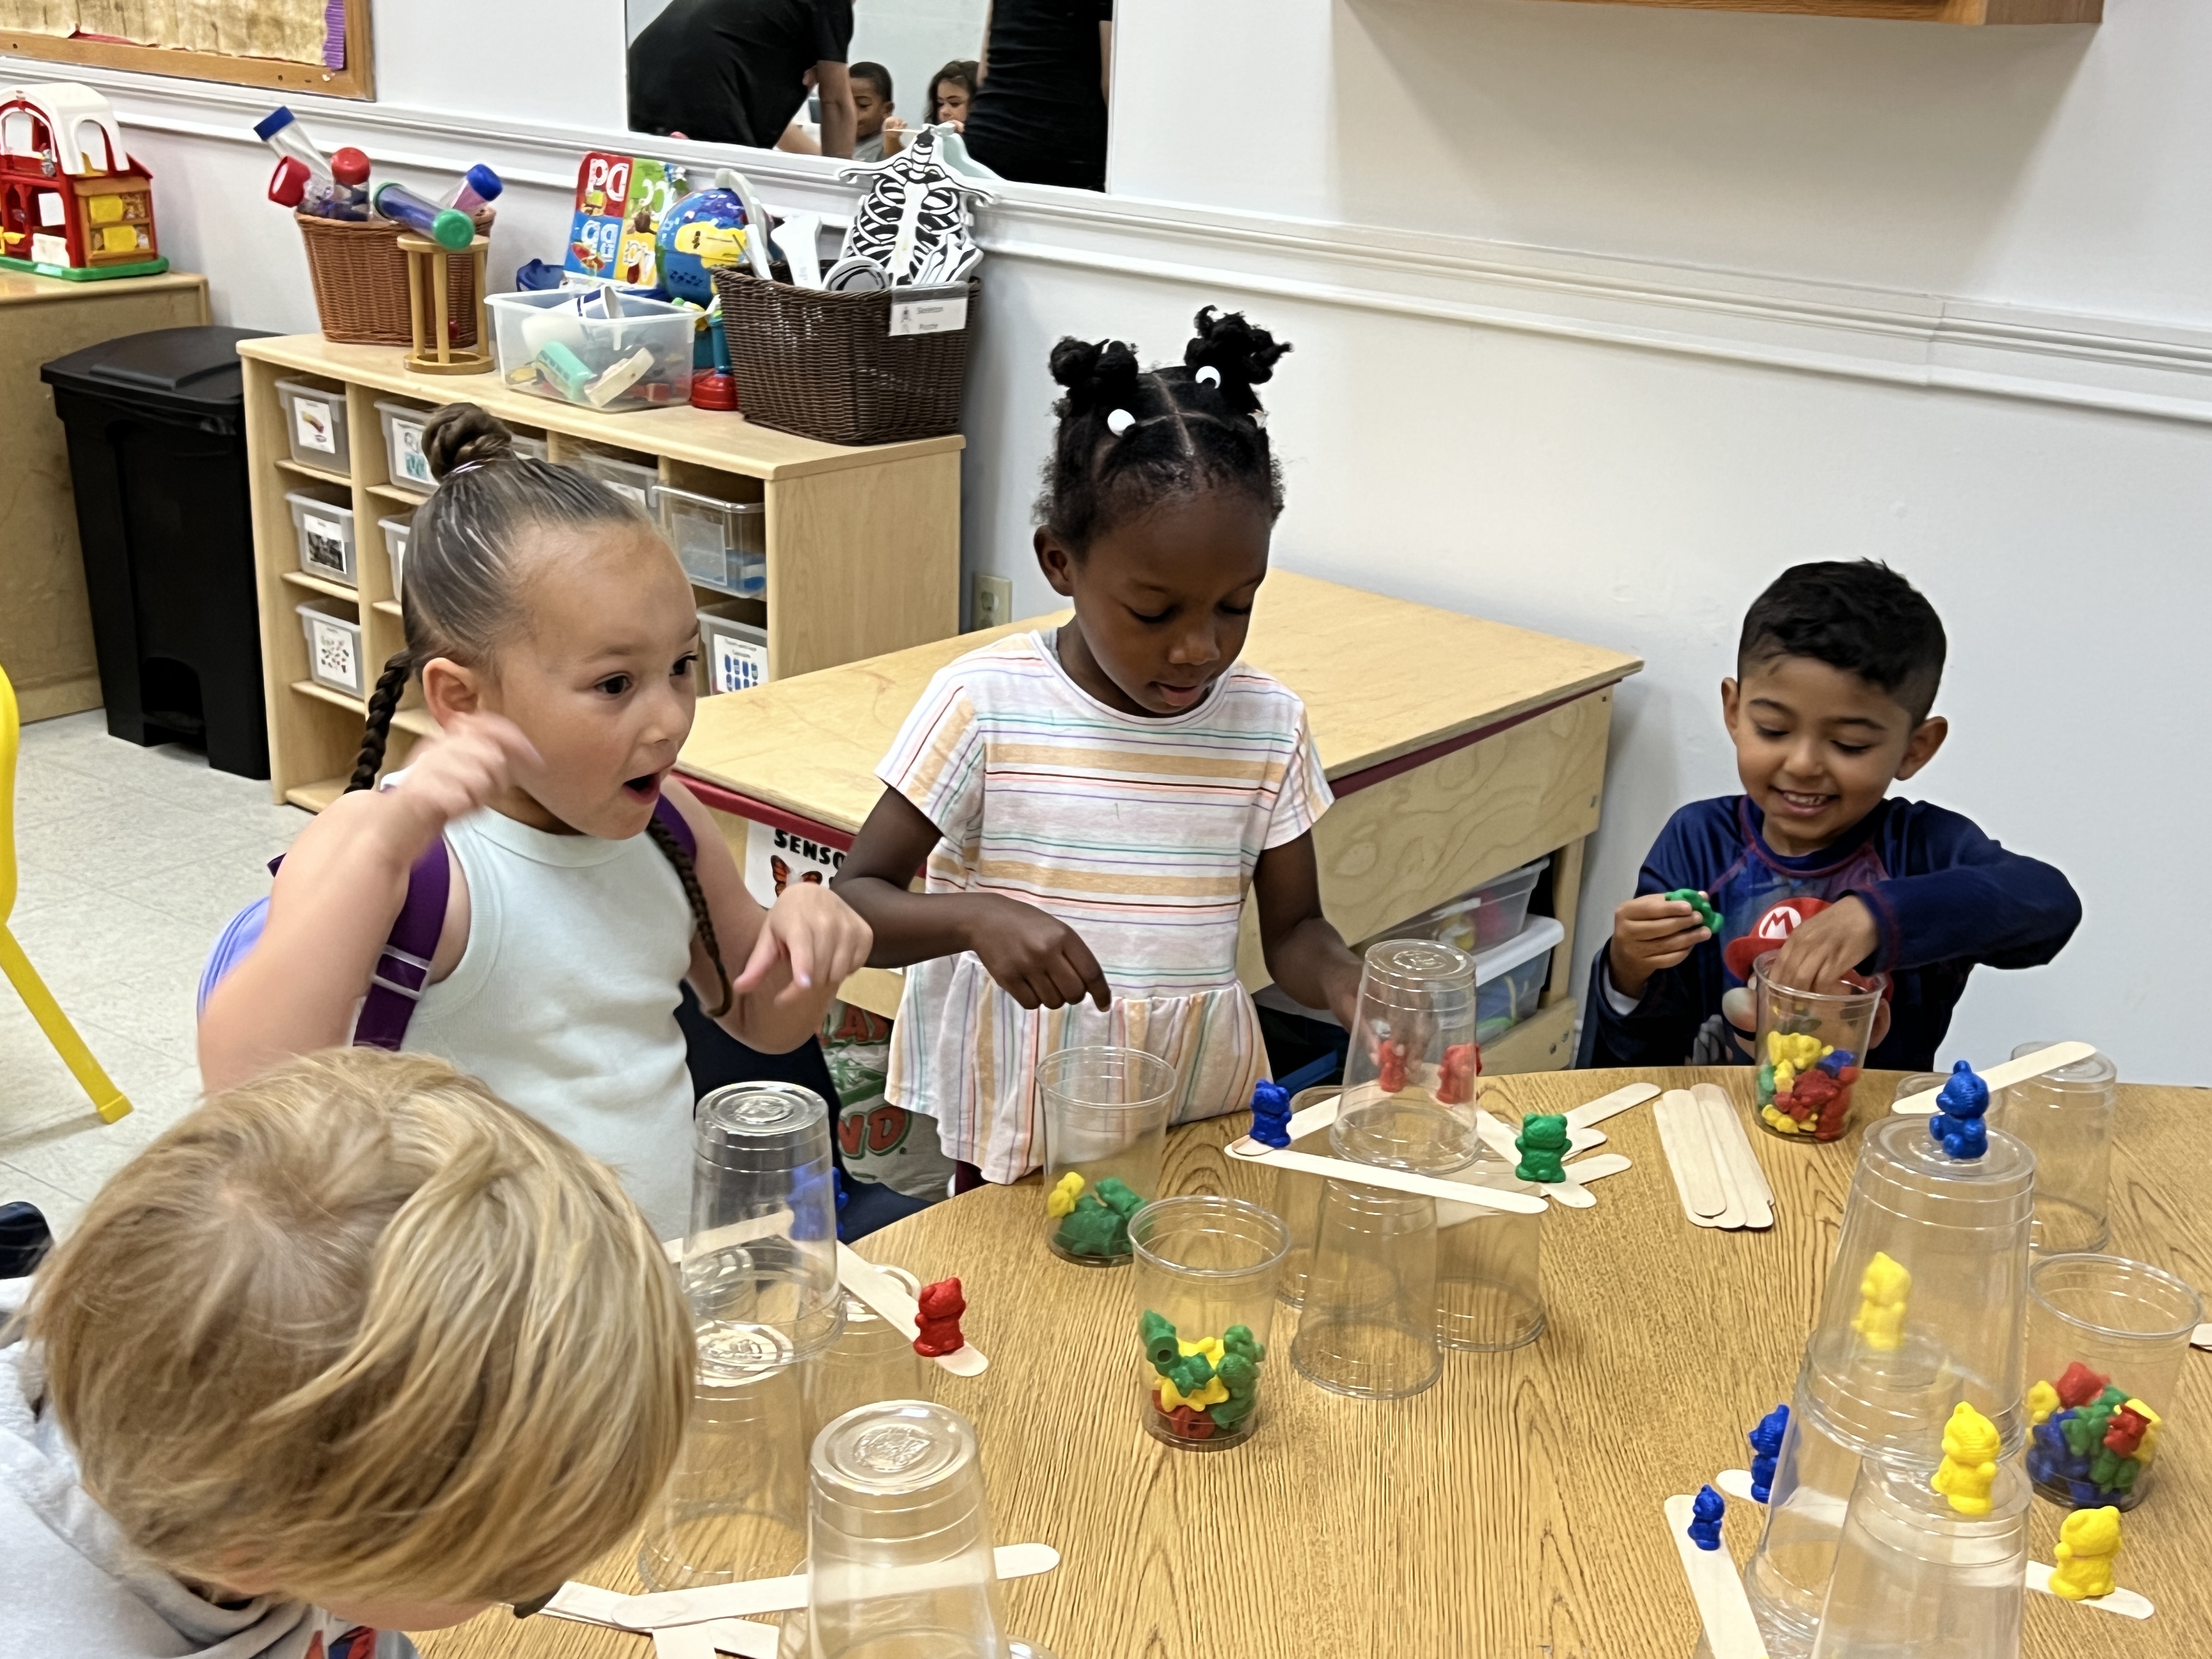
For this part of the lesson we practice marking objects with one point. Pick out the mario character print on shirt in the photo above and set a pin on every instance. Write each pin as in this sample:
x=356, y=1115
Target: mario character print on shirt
x=1760, y=907
x=355, y=1641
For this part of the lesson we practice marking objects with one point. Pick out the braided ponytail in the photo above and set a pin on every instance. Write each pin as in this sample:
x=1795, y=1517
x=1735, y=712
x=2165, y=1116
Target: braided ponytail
x=383, y=702
x=702, y=919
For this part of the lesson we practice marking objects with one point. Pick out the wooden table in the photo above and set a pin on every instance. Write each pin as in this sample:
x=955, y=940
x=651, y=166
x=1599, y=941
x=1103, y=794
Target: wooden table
x=1458, y=748
x=1514, y=1508
x=45, y=625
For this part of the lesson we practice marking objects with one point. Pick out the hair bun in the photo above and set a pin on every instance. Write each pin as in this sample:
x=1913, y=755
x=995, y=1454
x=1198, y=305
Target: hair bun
x=459, y=433
x=1097, y=373
x=1241, y=353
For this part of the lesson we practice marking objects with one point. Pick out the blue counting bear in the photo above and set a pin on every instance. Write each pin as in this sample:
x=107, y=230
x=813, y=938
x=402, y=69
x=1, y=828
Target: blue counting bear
x=1271, y=1114
x=1958, y=1127
x=1706, y=1509
x=1766, y=1446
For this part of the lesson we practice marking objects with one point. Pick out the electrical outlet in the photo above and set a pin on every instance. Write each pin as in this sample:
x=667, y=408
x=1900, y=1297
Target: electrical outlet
x=994, y=600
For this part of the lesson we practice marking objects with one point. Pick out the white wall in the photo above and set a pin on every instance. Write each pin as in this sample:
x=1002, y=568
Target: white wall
x=1984, y=351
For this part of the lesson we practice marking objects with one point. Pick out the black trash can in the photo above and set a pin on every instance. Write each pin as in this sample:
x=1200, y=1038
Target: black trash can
x=156, y=427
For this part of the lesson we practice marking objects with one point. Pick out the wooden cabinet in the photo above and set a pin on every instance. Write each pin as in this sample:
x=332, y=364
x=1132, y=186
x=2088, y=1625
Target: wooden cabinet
x=863, y=545
x=1906, y=11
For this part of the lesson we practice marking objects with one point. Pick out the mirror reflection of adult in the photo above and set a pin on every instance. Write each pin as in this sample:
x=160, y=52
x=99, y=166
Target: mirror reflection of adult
x=733, y=71
x=1039, y=113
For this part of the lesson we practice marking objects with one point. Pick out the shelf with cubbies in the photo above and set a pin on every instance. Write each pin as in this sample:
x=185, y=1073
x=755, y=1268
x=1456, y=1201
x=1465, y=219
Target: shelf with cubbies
x=802, y=554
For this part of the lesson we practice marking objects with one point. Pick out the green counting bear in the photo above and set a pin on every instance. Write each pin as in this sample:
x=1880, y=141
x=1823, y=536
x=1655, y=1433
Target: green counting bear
x=1707, y=916
x=1161, y=1348
x=1542, y=1144
x=1099, y=1222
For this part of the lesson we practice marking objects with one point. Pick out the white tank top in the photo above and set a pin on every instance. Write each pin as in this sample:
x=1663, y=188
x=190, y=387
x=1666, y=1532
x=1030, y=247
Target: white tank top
x=565, y=1000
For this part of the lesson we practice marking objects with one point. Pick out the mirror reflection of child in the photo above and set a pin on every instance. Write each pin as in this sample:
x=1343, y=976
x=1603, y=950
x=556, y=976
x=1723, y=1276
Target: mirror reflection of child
x=950, y=89
x=872, y=112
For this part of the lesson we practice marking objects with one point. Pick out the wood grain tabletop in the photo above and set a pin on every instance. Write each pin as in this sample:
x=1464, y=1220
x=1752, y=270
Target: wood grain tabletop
x=1514, y=1508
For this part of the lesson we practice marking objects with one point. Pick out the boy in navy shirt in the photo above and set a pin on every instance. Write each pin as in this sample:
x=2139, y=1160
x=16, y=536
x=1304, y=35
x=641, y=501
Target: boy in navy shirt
x=1836, y=670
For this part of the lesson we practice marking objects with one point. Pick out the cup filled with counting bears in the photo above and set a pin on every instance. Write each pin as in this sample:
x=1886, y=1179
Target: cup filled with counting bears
x=1811, y=1045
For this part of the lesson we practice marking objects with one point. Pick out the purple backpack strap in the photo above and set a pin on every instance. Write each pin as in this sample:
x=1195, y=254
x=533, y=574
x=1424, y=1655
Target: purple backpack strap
x=402, y=971
x=666, y=813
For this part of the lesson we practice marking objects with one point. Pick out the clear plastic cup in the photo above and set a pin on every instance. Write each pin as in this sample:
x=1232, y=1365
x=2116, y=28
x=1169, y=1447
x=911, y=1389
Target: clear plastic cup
x=1370, y=1323
x=2066, y=1117
x=1298, y=1201
x=736, y=1507
x=1926, y=1294
x=1820, y=1036
x=1786, y=1580
x=899, y=1544
x=1409, y=1074
x=1105, y=1129
x=760, y=1263
x=1204, y=1285
x=1919, y=1082
x=1914, y=1577
x=1489, y=1295
x=873, y=1360
x=2126, y=1326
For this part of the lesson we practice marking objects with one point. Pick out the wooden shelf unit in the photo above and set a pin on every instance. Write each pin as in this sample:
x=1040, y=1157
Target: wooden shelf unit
x=1902, y=11
x=863, y=544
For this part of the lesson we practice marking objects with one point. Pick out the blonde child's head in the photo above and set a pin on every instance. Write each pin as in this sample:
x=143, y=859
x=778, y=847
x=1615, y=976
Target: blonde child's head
x=360, y=1334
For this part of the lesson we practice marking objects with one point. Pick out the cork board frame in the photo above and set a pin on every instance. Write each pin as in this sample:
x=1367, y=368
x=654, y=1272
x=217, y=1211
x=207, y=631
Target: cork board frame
x=356, y=80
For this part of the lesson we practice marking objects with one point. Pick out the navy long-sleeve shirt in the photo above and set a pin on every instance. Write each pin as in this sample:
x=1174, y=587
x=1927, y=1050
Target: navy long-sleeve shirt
x=1945, y=896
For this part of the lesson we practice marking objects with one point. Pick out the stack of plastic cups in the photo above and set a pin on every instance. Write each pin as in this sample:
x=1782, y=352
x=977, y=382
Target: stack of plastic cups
x=760, y=1273
x=1369, y=1326
x=1489, y=1292
x=873, y=1360
x=1298, y=1201
x=1106, y=1112
x=2065, y=1117
x=1914, y=1577
x=1924, y=1308
x=900, y=1562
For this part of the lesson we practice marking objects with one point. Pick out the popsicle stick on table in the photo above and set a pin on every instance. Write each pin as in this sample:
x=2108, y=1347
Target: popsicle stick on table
x=1397, y=1181
x=897, y=1306
x=1730, y=1631
x=1739, y=1165
x=590, y=1605
x=1690, y=1156
x=2056, y=1055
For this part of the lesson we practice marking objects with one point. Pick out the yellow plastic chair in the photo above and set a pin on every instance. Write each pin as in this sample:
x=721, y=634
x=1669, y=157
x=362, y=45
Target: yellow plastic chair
x=107, y=1099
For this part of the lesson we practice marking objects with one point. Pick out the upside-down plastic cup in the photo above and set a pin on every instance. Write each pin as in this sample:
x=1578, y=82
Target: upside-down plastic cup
x=899, y=1544
x=1786, y=1580
x=736, y=1507
x=1811, y=1046
x=1106, y=1114
x=1489, y=1292
x=1298, y=1201
x=873, y=1360
x=1370, y=1324
x=2066, y=1117
x=1204, y=1285
x=1914, y=1577
x=1408, y=1096
x=2106, y=1341
x=760, y=1263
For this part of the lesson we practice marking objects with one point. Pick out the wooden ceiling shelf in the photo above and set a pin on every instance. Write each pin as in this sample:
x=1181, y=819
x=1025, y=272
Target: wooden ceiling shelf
x=1906, y=11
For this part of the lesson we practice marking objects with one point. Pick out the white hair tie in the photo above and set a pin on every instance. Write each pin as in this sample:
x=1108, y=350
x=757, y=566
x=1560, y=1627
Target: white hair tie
x=1207, y=375
x=1119, y=421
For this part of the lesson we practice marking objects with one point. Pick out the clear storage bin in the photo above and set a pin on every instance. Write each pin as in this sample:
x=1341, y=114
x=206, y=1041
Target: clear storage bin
x=1484, y=916
x=532, y=449
x=629, y=479
x=1508, y=978
x=723, y=545
x=638, y=359
x=326, y=543
x=333, y=651
x=404, y=462
x=736, y=652
x=315, y=423
x=395, y=530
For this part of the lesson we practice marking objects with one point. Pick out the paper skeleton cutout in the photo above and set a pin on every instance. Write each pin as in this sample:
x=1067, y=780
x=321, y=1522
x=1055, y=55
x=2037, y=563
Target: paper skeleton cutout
x=914, y=220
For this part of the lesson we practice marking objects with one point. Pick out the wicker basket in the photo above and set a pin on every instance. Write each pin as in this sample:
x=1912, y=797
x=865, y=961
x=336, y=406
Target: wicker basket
x=361, y=281
x=827, y=365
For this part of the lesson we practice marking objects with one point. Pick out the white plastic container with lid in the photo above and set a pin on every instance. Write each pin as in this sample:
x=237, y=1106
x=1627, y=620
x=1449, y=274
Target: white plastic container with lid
x=722, y=544
x=736, y=652
x=315, y=423
x=395, y=530
x=404, y=462
x=326, y=543
x=333, y=651
x=625, y=478
x=1483, y=916
x=638, y=359
x=1510, y=977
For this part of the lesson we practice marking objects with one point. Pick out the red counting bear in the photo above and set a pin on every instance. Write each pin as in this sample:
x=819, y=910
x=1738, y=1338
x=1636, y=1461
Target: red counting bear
x=2078, y=1385
x=937, y=1331
x=1455, y=1082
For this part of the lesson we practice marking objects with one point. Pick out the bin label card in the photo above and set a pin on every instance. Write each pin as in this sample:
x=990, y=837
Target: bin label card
x=739, y=664
x=310, y=426
x=413, y=466
x=929, y=316
x=776, y=859
x=325, y=541
x=334, y=656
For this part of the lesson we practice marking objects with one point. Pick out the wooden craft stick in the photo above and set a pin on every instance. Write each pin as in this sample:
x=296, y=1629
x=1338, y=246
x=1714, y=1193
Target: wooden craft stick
x=685, y=1642
x=2203, y=1337
x=588, y=1604
x=1582, y=1172
x=1717, y=1587
x=1697, y=1178
x=1731, y=1144
x=2125, y=1602
x=2003, y=1077
x=742, y=1636
x=895, y=1305
x=1736, y=1483
x=1400, y=1180
x=1611, y=1105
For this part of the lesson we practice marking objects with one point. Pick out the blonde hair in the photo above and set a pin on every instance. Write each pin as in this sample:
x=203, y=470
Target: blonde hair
x=365, y=1330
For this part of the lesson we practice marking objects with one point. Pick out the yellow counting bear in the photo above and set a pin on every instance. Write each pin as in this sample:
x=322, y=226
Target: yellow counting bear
x=1883, y=1290
x=1970, y=1461
x=1061, y=1200
x=2087, y=1542
x=2042, y=1401
x=1211, y=1392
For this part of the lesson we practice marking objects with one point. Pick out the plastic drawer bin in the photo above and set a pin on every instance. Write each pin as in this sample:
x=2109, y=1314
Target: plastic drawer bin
x=1510, y=977
x=531, y=449
x=548, y=348
x=395, y=547
x=326, y=543
x=404, y=462
x=333, y=651
x=736, y=652
x=629, y=479
x=1482, y=916
x=723, y=545
x=315, y=421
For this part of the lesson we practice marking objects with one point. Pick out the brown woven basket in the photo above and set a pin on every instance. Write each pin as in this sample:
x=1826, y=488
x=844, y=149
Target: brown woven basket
x=361, y=281
x=827, y=365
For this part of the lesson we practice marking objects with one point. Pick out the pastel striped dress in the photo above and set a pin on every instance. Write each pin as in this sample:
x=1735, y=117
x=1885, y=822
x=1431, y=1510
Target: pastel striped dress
x=1139, y=833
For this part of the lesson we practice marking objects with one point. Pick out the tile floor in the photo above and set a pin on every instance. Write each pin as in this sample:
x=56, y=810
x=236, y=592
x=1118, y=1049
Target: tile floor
x=131, y=861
